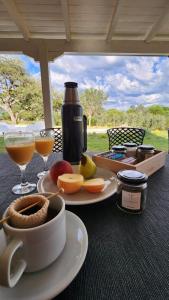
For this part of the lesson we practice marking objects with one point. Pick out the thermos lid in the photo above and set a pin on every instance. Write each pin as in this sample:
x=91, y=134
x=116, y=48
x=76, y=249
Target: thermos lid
x=71, y=84
x=71, y=93
x=132, y=176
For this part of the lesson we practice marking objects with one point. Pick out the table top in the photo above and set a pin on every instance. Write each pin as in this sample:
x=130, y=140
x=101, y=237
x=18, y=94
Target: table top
x=128, y=255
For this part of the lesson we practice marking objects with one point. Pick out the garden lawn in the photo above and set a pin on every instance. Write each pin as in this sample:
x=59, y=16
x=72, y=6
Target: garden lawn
x=99, y=141
x=1, y=144
x=157, y=138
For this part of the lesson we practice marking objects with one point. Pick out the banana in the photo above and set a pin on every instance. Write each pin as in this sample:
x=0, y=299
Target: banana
x=87, y=166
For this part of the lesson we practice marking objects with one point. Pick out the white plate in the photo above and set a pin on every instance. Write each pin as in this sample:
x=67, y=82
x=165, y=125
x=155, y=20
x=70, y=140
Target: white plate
x=49, y=282
x=46, y=185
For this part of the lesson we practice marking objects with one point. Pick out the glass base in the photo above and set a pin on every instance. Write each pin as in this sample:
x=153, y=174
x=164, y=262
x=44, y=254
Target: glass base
x=41, y=174
x=22, y=189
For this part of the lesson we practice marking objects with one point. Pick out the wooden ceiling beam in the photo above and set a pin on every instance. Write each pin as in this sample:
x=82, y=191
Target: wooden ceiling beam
x=158, y=24
x=16, y=16
x=97, y=47
x=113, y=21
x=66, y=18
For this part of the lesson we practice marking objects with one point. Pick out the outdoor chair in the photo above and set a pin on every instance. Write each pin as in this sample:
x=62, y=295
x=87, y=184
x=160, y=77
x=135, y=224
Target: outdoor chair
x=58, y=139
x=122, y=135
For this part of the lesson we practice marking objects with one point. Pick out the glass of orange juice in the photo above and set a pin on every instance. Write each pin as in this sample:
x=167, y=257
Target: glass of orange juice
x=20, y=147
x=44, y=142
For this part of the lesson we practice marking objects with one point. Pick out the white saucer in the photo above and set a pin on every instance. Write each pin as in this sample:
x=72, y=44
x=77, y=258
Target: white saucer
x=51, y=281
x=46, y=185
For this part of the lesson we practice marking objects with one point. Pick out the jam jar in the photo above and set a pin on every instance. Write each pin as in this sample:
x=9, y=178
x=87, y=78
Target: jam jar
x=119, y=149
x=144, y=152
x=132, y=191
x=131, y=149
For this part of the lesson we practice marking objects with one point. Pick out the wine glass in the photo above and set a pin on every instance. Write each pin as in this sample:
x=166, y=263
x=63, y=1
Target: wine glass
x=20, y=147
x=44, y=142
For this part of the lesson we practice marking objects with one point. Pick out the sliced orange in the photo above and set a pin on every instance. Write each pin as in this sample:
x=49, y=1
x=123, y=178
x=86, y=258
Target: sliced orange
x=95, y=185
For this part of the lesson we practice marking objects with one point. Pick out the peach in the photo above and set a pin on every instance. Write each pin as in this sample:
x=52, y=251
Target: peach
x=95, y=185
x=59, y=168
x=70, y=183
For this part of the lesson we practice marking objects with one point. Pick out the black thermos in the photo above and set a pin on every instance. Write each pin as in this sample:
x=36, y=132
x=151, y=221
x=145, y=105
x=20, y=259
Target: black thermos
x=74, y=125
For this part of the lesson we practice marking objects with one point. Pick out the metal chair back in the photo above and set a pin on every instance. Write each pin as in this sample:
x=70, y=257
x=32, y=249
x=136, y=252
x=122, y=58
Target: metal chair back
x=58, y=139
x=120, y=135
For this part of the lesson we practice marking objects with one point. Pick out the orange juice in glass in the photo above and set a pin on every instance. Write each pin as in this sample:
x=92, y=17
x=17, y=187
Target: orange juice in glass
x=22, y=153
x=44, y=142
x=20, y=147
x=44, y=145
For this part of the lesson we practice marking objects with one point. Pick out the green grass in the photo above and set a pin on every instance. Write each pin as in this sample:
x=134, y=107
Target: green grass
x=2, y=148
x=99, y=141
x=159, y=139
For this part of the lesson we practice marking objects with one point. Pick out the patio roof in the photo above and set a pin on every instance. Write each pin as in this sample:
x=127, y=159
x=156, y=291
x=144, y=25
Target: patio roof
x=45, y=29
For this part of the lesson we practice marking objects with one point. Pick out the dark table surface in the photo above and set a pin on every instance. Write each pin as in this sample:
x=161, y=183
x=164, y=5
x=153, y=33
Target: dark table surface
x=128, y=255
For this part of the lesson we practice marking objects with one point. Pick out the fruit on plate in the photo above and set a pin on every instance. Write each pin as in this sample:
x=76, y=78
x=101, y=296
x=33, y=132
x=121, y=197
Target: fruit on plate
x=70, y=183
x=87, y=166
x=95, y=185
x=59, y=168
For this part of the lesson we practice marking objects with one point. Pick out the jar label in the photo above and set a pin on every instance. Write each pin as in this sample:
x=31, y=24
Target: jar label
x=131, y=200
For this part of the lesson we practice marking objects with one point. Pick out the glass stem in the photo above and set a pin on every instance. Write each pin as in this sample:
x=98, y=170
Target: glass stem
x=22, y=168
x=45, y=159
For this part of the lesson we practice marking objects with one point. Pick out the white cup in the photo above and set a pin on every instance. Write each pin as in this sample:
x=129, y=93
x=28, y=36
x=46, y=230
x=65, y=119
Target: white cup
x=32, y=249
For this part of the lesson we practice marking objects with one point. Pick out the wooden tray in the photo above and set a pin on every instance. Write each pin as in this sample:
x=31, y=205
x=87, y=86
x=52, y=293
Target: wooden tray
x=148, y=166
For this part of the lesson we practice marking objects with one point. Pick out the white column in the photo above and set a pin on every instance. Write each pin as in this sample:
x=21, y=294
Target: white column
x=45, y=80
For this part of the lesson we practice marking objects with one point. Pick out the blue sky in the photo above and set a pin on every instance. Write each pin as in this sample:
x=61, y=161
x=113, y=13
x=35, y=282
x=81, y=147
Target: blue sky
x=127, y=80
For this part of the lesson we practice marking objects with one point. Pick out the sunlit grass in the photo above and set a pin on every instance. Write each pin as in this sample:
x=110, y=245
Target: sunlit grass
x=161, y=133
x=99, y=141
x=157, y=138
x=2, y=148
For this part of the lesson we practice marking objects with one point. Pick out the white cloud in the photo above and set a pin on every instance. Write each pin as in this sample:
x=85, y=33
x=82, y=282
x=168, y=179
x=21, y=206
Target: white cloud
x=128, y=80
x=112, y=59
x=122, y=83
x=68, y=64
x=152, y=98
x=37, y=75
x=87, y=84
x=142, y=69
x=57, y=79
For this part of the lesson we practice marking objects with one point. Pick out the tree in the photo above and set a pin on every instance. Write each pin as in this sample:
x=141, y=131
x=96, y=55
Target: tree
x=114, y=117
x=158, y=110
x=20, y=95
x=92, y=101
x=137, y=109
x=57, y=98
